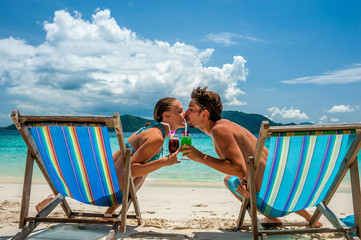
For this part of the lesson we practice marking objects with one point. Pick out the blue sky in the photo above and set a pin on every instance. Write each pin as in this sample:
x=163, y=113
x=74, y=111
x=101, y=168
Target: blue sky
x=293, y=61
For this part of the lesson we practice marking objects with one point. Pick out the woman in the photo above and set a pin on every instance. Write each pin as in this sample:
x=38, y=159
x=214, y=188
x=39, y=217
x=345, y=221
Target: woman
x=147, y=142
x=146, y=145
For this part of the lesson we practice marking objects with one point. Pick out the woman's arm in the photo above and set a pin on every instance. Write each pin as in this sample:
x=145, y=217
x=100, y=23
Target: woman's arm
x=141, y=169
x=148, y=149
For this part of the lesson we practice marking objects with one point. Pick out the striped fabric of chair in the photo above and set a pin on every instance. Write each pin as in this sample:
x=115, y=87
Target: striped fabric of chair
x=79, y=163
x=299, y=171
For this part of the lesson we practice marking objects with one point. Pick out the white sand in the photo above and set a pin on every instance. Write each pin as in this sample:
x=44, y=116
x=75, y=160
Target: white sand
x=169, y=212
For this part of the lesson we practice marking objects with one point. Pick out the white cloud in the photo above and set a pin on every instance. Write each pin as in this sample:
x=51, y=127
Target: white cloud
x=347, y=75
x=227, y=39
x=323, y=118
x=4, y=116
x=287, y=113
x=343, y=109
x=97, y=66
x=335, y=120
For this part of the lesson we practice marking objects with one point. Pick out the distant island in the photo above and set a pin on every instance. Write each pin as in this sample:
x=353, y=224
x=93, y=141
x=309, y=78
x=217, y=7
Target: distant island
x=250, y=121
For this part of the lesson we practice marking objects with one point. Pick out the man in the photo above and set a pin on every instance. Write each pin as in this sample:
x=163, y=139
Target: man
x=232, y=143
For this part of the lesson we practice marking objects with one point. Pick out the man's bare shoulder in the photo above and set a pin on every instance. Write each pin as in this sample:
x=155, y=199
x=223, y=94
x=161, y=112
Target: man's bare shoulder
x=224, y=127
x=221, y=127
x=225, y=124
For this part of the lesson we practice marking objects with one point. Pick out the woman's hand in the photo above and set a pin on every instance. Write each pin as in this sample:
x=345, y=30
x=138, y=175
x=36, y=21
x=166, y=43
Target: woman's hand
x=191, y=152
x=242, y=188
x=172, y=158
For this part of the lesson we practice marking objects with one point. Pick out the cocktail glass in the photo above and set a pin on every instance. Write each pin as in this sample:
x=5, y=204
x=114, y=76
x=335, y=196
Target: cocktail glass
x=186, y=139
x=173, y=144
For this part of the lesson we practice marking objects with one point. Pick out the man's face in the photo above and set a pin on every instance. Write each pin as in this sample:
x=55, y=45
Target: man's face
x=192, y=115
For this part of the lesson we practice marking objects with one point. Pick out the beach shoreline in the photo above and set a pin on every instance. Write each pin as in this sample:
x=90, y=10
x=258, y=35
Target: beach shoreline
x=170, y=211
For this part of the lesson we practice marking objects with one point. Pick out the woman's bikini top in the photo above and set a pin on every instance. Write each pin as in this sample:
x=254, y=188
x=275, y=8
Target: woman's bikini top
x=156, y=124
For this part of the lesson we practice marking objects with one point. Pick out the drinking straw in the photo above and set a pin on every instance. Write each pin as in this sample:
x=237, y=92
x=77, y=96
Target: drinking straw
x=170, y=132
x=186, y=134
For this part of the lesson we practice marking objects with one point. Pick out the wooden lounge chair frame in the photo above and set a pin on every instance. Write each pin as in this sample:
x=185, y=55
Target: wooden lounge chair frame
x=27, y=223
x=349, y=163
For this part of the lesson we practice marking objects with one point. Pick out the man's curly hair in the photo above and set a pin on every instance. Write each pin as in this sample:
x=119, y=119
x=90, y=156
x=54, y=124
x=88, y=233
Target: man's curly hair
x=210, y=101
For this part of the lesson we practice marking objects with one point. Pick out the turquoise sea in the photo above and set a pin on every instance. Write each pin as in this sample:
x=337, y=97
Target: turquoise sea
x=13, y=152
x=13, y=156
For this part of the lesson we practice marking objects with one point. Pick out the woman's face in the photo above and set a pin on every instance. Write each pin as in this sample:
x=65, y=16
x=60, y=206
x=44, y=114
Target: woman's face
x=176, y=115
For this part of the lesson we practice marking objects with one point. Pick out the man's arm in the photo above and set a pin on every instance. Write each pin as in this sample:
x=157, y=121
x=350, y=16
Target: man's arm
x=230, y=159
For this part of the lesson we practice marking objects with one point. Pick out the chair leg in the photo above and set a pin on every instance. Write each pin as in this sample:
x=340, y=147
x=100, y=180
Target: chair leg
x=336, y=222
x=135, y=203
x=26, y=230
x=253, y=198
x=242, y=213
x=127, y=179
x=330, y=215
x=50, y=207
x=356, y=195
x=26, y=189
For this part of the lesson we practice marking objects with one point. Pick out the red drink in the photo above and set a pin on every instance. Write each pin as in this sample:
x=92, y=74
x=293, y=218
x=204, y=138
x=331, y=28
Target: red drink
x=173, y=144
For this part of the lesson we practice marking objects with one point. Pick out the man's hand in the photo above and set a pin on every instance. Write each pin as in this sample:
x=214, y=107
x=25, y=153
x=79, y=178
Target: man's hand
x=191, y=152
x=242, y=188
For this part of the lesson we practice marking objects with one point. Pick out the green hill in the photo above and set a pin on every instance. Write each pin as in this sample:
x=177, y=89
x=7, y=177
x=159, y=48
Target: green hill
x=131, y=123
x=11, y=127
x=250, y=121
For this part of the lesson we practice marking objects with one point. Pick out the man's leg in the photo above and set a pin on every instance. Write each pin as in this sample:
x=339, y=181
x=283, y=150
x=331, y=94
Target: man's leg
x=232, y=183
x=226, y=181
x=304, y=213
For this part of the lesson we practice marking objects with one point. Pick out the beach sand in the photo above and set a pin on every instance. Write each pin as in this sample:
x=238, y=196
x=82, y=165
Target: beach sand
x=177, y=211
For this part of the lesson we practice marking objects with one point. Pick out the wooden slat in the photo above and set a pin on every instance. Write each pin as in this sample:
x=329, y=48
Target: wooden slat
x=67, y=119
x=72, y=220
x=98, y=215
x=76, y=220
x=303, y=231
x=322, y=127
x=278, y=225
